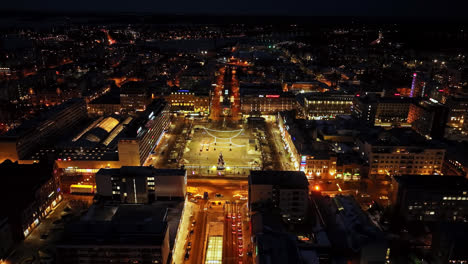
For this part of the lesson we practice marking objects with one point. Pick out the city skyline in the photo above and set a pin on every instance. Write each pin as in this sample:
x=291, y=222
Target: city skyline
x=237, y=139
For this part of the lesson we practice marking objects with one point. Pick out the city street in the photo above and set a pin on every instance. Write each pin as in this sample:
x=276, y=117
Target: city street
x=281, y=161
x=222, y=195
x=162, y=152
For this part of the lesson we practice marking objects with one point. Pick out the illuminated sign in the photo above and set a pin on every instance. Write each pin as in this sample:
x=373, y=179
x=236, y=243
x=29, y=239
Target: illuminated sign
x=183, y=91
x=303, y=159
x=261, y=95
x=272, y=96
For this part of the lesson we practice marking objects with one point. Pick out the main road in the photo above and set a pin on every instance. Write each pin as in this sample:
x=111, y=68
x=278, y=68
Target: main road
x=222, y=194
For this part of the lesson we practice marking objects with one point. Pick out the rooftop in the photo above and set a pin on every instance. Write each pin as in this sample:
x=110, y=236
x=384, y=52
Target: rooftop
x=112, y=97
x=137, y=127
x=123, y=224
x=20, y=183
x=433, y=182
x=395, y=137
x=285, y=179
x=141, y=171
x=34, y=123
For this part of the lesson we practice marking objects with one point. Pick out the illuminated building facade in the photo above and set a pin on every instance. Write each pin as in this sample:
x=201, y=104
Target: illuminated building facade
x=307, y=155
x=436, y=198
x=107, y=104
x=143, y=133
x=267, y=104
x=19, y=143
x=400, y=151
x=133, y=97
x=185, y=101
x=382, y=111
x=457, y=121
x=325, y=105
x=287, y=190
x=33, y=198
x=130, y=184
x=428, y=118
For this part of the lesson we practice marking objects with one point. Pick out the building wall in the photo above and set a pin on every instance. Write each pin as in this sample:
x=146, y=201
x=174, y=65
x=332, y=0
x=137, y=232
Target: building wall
x=404, y=160
x=48, y=130
x=146, y=187
x=47, y=197
x=103, y=109
x=181, y=101
x=6, y=238
x=133, y=102
x=394, y=113
x=149, y=141
x=129, y=152
x=266, y=105
x=170, y=186
x=317, y=167
x=432, y=205
x=327, y=107
x=259, y=193
x=293, y=204
x=104, y=184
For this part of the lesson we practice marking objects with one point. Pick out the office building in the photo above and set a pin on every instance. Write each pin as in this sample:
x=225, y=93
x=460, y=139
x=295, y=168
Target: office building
x=130, y=184
x=328, y=105
x=117, y=234
x=399, y=151
x=286, y=190
x=143, y=133
x=353, y=235
x=134, y=97
x=307, y=154
x=107, y=104
x=19, y=143
x=457, y=120
x=382, y=111
x=432, y=198
x=186, y=101
x=266, y=103
x=428, y=118
x=33, y=198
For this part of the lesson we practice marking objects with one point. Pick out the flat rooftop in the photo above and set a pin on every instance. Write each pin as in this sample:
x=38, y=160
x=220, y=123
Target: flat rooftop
x=396, y=137
x=285, y=179
x=137, y=127
x=35, y=122
x=137, y=224
x=142, y=171
x=433, y=182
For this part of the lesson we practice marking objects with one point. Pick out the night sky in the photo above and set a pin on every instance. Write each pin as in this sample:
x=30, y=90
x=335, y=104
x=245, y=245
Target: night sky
x=430, y=8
